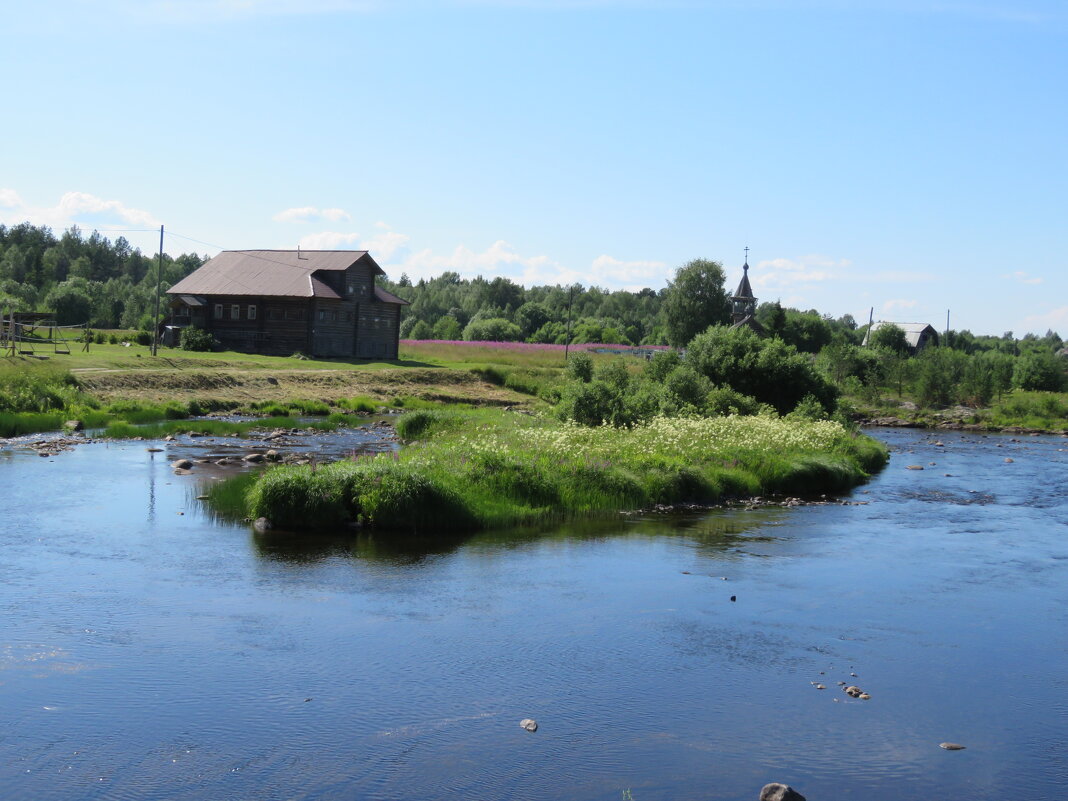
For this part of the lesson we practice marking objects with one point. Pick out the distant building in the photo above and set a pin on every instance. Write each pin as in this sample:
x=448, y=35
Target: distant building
x=317, y=302
x=744, y=304
x=917, y=335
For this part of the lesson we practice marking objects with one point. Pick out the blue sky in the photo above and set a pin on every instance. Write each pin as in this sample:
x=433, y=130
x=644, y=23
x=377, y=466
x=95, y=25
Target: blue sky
x=906, y=155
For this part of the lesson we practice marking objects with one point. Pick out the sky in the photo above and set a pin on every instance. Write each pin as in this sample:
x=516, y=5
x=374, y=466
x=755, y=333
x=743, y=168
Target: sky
x=903, y=156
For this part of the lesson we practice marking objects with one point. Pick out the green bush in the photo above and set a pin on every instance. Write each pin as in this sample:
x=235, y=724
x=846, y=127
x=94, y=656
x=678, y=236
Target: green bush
x=196, y=339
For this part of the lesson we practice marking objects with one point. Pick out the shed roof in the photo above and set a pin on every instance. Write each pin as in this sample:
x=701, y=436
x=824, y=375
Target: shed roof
x=288, y=273
x=913, y=331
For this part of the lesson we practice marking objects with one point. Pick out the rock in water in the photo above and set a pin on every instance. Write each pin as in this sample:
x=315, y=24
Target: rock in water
x=952, y=746
x=253, y=458
x=262, y=525
x=780, y=792
x=529, y=724
x=182, y=464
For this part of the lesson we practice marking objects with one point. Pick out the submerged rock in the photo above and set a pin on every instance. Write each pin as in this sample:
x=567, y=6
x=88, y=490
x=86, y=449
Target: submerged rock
x=780, y=792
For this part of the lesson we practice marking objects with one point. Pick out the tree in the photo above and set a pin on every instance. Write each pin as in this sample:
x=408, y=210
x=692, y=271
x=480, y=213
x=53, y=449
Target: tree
x=71, y=304
x=767, y=369
x=1039, y=370
x=889, y=337
x=695, y=300
x=448, y=328
x=492, y=329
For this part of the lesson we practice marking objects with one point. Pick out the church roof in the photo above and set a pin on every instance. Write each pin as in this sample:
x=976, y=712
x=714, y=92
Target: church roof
x=744, y=289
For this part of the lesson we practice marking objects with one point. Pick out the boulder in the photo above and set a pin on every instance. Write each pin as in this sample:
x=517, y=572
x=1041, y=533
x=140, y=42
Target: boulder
x=262, y=525
x=529, y=724
x=74, y=425
x=780, y=792
x=272, y=456
x=182, y=464
x=253, y=458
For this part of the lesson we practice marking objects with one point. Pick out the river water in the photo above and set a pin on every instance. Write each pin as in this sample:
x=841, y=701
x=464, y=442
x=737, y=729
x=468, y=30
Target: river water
x=148, y=651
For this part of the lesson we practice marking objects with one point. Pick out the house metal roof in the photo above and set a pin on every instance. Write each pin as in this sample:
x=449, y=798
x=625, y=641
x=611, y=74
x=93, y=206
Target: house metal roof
x=285, y=273
x=913, y=331
x=388, y=297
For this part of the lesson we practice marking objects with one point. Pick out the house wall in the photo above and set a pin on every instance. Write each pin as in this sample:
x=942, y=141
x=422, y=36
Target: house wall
x=377, y=330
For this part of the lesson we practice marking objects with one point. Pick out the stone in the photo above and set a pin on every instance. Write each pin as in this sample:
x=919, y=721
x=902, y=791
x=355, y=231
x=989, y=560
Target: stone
x=952, y=746
x=272, y=455
x=74, y=425
x=529, y=724
x=780, y=792
x=1008, y=460
x=262, y=524
x=254, y=458
x=182, y=464
x=914, y=467
x=154, y=450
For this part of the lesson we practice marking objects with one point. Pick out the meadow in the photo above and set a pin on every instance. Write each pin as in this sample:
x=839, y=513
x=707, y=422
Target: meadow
x=490, y=468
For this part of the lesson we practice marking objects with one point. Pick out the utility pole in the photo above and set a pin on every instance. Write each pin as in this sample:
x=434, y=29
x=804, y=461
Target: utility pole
x=159, y=273
x=567, y=341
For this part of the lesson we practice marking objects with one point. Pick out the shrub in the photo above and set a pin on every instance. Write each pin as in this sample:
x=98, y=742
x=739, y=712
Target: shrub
x=196, y=339
x=580, y=366
x=143, y=337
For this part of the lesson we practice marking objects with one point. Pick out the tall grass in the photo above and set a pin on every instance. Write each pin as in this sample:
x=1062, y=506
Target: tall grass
x=488, y=469
x=1042, y=410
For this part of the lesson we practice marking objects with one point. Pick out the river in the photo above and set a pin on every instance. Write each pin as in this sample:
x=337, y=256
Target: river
x=149, y=651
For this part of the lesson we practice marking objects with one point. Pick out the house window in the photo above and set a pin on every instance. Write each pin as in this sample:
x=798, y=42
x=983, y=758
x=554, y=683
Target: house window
x=322, y=315
x=333, y=316
x=294, y=314
x=274, y=313
x=218, y=311
x=182, y=311
x=235, y=312
x=251, y=312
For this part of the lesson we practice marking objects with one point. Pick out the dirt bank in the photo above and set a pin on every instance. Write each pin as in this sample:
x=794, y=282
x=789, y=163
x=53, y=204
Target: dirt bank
x=243, y=386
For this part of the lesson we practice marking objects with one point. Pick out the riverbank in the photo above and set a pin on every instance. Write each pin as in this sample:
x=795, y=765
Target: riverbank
x=486, y=469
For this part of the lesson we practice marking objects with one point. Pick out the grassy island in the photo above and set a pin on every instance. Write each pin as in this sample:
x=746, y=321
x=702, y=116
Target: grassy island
x=489, y=468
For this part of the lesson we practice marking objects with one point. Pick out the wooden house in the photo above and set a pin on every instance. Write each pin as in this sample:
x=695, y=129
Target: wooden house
x=316, y=302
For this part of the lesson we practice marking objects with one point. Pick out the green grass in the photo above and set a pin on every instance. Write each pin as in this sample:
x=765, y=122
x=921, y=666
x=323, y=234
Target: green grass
x=1041, y=410
x=486, y=469
x=360, y=403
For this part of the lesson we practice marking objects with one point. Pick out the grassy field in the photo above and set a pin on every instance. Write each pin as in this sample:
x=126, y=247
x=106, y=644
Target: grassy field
x=492, y=468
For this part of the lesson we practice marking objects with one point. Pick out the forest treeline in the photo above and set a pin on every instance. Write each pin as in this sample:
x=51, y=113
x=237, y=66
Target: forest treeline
x=83, y=279
x=111, y=285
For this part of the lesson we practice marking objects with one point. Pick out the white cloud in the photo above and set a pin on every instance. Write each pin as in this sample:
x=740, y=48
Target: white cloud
x=79, y=208
x=310, y=214
x=784, y=273
x=384, y=246
x=1025, y=278
x=331, y=240
x=1057, y=319
x=632, y=275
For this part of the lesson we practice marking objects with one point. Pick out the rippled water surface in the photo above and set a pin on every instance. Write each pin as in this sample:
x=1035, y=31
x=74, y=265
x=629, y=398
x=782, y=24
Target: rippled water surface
x=147, y=651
